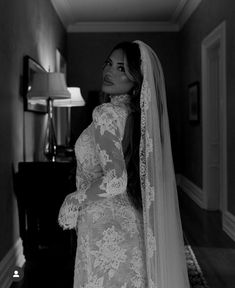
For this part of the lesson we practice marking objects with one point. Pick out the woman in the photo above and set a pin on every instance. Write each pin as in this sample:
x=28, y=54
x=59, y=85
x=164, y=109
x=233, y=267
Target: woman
x=125, y=208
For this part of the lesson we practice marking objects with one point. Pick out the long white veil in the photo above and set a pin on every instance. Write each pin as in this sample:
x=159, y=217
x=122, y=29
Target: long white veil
x=165, y=257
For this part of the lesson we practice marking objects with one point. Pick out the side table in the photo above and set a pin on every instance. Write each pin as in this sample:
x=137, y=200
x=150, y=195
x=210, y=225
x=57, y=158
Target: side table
x=41, y=189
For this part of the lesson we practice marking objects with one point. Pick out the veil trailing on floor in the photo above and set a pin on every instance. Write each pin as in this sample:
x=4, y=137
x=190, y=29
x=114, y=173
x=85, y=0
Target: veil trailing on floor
x=165, y=257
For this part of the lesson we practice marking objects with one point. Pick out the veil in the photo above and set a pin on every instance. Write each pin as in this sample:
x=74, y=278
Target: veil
x=165, y=257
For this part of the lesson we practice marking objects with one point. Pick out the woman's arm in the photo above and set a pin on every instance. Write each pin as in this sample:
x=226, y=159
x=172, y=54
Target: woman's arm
x=108, y=133
x=71, y=206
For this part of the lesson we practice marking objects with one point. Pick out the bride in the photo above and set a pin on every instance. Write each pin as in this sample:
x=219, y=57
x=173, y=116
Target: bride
x=125, y=209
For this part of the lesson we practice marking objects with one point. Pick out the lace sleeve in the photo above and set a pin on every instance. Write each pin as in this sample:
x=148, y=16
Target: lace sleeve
x=108, y=133
x=74, y=202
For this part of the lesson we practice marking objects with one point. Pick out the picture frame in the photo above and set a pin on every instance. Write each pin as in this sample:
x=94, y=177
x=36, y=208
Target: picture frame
x=194, y=102
x=61, y=64
x=31, y=66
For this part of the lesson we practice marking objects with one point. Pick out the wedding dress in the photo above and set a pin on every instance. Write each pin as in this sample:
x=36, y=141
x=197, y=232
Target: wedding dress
x=110, y=244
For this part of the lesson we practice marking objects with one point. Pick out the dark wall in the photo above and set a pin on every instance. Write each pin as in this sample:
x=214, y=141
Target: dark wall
x=27, y=28
x=86, y=55
x=207, y=17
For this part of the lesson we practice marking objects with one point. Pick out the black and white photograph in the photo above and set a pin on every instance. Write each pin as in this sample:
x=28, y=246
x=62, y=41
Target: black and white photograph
x=117, y=135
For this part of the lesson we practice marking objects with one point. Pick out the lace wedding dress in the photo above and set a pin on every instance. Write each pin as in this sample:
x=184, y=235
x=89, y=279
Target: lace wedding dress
x=110, y=242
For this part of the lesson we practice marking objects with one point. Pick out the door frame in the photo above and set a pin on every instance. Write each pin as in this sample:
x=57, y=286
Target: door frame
x=218, y=35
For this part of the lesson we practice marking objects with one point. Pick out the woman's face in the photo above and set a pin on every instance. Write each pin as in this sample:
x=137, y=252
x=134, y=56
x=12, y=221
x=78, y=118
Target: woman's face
x=115, y=80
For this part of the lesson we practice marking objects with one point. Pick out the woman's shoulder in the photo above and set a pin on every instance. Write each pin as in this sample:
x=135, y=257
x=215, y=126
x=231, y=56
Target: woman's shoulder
x=102, y=108
x=109, y=110
x=110, y=116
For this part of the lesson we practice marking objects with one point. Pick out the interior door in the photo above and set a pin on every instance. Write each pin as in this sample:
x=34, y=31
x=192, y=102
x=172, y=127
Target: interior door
x=213, y=122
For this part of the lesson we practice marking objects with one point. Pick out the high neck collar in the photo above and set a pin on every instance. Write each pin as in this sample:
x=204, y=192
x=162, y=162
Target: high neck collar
x=123, y=99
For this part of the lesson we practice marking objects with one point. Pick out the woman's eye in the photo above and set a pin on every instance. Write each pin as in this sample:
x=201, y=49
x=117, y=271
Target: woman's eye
x=121, y=68
x=107, y=63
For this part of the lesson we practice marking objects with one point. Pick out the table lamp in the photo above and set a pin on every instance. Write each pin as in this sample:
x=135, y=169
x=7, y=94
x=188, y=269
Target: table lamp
x=49, y=86
x=74, y=101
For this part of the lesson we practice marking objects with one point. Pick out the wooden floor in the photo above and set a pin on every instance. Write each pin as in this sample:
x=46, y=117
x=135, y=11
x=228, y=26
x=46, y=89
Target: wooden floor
x=214, y=250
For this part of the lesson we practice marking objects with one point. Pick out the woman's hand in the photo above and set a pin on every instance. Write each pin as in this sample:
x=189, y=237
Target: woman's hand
x=69, y=211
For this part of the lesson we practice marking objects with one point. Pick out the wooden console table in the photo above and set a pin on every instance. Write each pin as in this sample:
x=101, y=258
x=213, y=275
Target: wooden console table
x=41, y=188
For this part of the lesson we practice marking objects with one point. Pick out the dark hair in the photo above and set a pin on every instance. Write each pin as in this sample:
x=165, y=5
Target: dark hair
x=131, y=138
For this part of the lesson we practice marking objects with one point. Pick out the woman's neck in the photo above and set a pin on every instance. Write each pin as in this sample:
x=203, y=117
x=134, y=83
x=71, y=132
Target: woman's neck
x=123, y=99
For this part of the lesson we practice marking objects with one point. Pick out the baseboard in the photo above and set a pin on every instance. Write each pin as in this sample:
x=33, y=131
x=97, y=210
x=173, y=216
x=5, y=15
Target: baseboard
x=229, y=224
x=194, y=192
x=14, y=257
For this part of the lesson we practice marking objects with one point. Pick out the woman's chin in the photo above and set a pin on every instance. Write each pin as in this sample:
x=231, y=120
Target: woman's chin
x=107, y=90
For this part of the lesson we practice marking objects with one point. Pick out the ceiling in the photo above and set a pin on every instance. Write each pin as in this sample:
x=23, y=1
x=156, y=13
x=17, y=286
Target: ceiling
x=124, y=15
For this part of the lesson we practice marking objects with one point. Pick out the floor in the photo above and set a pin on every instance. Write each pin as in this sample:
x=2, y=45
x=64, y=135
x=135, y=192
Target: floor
x=214, y=250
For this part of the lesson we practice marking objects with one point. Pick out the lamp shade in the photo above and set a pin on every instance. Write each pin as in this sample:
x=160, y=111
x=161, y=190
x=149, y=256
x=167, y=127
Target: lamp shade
x=75, y=100
x=48, y=85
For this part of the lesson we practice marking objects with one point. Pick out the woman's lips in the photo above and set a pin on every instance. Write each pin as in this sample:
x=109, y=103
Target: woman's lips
x=107, y=81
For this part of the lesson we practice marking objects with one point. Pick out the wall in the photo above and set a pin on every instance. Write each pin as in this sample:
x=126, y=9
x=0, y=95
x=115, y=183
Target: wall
x=208, y=16
x=27, y=28
x=86, y=55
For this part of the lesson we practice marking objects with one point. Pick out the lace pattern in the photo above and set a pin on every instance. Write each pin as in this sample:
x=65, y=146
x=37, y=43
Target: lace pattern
x=111, y=245
x=110, y=241
x=162, y=226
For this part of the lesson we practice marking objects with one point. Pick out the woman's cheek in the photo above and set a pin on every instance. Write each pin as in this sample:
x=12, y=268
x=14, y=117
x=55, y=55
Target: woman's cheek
x=124, y=78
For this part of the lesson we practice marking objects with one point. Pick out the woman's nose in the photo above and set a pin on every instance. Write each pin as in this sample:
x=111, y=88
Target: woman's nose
x=109, y=73
x=110, y=69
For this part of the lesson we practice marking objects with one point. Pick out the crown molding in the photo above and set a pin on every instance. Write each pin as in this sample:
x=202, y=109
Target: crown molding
x=178, y=10
x=108, y=27
x=186, y=11
x=63, y=10
x=179, y=17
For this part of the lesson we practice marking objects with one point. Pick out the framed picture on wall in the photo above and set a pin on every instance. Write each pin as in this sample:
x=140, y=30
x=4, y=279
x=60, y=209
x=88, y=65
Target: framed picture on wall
x=30, y=67
x=61, y=65
x=193, y=102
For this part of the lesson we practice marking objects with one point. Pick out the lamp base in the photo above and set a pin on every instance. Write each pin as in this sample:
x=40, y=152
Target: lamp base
x=65, y=151
x=50, y=158
x=50, y=138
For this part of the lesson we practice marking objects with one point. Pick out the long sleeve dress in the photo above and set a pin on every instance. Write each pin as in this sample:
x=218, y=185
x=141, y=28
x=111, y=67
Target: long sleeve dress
x=110, y=244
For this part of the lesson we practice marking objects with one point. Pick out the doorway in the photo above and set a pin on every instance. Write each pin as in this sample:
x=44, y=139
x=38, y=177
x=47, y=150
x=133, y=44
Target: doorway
x=214, y=119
